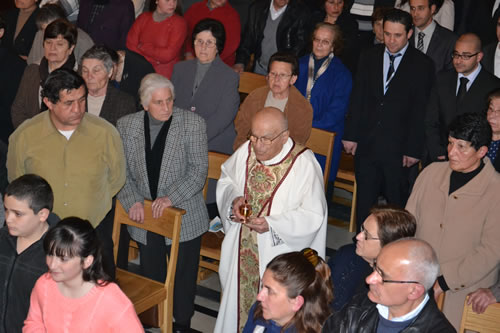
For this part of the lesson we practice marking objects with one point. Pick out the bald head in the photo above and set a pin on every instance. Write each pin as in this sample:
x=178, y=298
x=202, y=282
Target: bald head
x=471, y=39
x=416, y=257
x=269, y=124
x=467, y=54
x=272, y=116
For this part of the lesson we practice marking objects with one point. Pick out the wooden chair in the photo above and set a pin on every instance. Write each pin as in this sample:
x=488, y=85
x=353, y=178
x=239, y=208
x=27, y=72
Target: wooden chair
x=250, y=81
x=143, y=292
x=346, y=180
x=321, y=143
x=486, y=322
x=211, y=242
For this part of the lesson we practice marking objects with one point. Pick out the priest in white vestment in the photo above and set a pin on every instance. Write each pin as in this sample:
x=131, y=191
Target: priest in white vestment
x=283, y=184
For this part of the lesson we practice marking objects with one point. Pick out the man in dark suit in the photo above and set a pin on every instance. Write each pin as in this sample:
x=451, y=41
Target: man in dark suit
x=490, y=53
x=475, y=16
x=464, y=89
x=429, y=37
x=385, y=124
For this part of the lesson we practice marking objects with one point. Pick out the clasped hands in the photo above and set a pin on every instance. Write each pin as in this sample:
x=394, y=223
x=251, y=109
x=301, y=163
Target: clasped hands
x=136, y=212
x=258, y=224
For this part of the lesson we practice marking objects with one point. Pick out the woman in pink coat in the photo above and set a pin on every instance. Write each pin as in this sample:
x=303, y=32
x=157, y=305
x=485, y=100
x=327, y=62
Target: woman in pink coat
x=159, y=36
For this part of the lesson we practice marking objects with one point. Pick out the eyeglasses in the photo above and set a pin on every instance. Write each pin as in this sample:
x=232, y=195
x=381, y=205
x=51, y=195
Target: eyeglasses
x=209, y=44
x=322, y=42
x=494, y=113
x=281, y=76
x=263, y=140
x=381, y=274
x=367, y=235
x=457, y=55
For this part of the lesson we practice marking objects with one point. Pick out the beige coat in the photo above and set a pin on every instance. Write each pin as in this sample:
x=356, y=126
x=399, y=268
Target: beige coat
x=463, y=228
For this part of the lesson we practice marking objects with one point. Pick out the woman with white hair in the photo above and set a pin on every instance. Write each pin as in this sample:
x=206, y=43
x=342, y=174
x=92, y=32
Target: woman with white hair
x=103, y=100
x=167, y=162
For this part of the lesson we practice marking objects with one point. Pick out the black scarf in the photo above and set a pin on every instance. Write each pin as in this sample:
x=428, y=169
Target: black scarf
x=154, y=155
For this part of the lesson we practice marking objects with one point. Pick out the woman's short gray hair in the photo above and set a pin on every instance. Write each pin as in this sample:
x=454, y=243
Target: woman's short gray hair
x=99, y=53
x=150, y=83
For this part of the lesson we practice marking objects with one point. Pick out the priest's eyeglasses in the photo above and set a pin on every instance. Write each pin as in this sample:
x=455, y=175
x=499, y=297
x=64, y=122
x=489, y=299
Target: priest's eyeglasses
x=456, y=55
x=381, y=274
x=264, y=140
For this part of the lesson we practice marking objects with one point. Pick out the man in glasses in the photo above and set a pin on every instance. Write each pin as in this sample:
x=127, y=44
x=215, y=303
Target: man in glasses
x=464, y=89
x=398, y=298
x=279, y=93
x=271, y=201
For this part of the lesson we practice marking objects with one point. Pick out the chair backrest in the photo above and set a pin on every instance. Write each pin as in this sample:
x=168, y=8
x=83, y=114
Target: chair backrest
x=321, y=143
x=168, y=225
x=486, y=322
x=215, y=161
x=251, y=81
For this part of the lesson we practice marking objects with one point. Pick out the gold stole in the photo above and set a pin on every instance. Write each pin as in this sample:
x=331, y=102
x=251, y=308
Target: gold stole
x=261, y=184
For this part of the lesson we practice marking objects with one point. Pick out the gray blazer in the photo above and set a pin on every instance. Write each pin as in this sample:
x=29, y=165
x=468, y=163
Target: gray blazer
x=216, y=100
x=183, y=171
x=440, y=47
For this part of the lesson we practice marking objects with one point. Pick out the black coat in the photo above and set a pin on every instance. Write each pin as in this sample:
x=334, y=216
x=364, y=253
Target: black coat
x=443, y=108
x=24, y=40
x=361, y=316
x=488, y=61
x=116, y=105
x=440, y=47
x=390, y=124
x=293, y=30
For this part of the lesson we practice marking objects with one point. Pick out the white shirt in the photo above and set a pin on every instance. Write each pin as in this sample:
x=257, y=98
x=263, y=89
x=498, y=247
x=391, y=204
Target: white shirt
x=495, y=6
x=387, y=63
x=384, y=311
x=497, y=61
x=472, y=76
x=276, y=13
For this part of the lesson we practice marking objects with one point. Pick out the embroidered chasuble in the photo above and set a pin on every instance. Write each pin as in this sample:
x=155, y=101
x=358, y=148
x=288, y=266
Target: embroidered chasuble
x=261, y=183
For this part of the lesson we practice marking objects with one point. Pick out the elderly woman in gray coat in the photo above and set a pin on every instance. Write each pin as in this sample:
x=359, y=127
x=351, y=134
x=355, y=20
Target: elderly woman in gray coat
x=208, y=87
x=167, y=162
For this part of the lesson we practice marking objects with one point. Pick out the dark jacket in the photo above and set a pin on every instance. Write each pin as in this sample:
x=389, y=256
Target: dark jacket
x=24, y=40
x=361, y=316
x=135, y=68
x=440, y=47
x=389, y=124
x=488, y=61
x=112, y=24
x=443, y=108
x=116, y=105
x=292, y=35
x=18, y=274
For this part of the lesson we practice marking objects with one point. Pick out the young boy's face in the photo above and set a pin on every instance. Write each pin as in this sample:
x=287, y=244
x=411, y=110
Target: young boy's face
x=20, y=218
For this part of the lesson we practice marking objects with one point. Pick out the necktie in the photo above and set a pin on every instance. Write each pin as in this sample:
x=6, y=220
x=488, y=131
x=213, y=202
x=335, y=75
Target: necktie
x=462, y=89
x=420, y=43
x=392, y=57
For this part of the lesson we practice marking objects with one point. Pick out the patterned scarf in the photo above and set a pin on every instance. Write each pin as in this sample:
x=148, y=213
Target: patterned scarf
x=311, y=79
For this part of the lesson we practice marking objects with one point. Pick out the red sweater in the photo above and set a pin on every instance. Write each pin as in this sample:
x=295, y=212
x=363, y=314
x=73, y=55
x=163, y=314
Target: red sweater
x=103, y=309
x=228, y=16
x=159, y=42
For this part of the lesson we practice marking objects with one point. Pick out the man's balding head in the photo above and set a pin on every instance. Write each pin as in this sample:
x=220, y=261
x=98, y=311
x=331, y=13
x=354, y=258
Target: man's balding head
x=404, y=270
x=269, y=132
x=420, y=258
x=469, y=46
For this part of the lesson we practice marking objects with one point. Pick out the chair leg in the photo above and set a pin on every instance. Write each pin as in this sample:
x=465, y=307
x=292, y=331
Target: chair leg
x=352, y=222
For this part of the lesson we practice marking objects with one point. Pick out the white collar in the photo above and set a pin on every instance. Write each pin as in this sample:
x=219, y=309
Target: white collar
x=428, y=31
x=384, y=311
x=276, y=13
